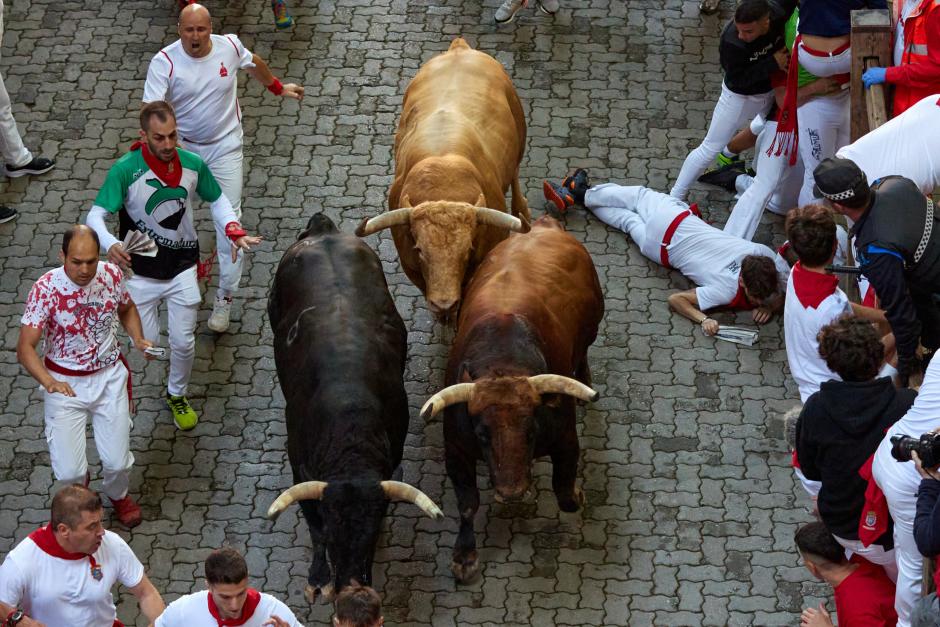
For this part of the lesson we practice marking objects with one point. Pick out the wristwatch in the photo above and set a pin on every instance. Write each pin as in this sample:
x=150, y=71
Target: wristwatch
x=15, y=617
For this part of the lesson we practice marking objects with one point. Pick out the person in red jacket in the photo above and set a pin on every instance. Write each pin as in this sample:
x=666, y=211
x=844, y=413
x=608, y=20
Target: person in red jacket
x=864, y=594
x=916, y=71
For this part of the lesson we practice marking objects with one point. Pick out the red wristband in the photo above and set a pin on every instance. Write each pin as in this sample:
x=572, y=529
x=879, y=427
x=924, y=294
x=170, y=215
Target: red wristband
x=234, y=230
x=276, y=87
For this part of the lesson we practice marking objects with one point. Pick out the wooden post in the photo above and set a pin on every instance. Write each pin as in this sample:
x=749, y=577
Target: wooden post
x=871, y=46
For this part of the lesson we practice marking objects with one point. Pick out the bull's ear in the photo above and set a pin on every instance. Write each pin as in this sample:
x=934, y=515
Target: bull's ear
x=481, y=201
x=404, y=202
x=464, y=376
x=551, y=400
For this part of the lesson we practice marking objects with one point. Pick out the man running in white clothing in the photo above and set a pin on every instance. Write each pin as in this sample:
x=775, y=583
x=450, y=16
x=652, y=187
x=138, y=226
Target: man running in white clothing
x=77, y=308
x=61, y=575
x=731, y=273
x=198, y=75
x=151, y=189
x=228, y=601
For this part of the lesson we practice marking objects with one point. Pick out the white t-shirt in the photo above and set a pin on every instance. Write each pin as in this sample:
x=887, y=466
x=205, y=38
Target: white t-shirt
x=63, y=592
x=192, y=610
x=79, y=322
x=907, y=145
x=712, y=260
x=203, y=90
x=813, y=301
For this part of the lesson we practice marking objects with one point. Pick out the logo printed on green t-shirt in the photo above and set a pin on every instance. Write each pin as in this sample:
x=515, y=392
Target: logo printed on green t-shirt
x=162, y=195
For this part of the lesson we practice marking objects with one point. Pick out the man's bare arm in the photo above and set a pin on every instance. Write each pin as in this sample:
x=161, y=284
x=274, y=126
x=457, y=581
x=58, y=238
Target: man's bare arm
x=149, y=599
x=28, y=356
x=262, y=73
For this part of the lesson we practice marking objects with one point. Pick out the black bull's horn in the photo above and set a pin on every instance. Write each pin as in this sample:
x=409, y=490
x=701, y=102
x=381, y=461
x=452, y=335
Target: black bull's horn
x=394, y=491
x=542, y=383
x=399, y=217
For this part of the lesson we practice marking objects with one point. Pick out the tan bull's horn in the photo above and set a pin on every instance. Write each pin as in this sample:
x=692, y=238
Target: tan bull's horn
x=384, y=221
x=398, y=491
x=557, y=384
x=306, y=491
x=494, y=217
x=451, y=395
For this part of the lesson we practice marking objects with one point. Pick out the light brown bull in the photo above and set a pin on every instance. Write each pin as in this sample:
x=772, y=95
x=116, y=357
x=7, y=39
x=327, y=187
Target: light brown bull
x=459, y=143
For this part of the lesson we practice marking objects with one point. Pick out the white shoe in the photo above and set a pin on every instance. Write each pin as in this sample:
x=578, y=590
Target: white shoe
x=221, y=311
x=507, y=11
x=548, y=6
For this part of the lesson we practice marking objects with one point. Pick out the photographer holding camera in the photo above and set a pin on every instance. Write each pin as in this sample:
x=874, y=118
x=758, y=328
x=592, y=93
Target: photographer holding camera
x=927, y=520
x=898, y=478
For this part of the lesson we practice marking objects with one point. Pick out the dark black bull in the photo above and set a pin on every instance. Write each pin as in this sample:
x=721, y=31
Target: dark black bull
x=339, y=347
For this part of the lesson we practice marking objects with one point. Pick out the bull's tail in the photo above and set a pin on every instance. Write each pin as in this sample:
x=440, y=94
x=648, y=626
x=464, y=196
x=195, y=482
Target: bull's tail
x=319, y=224
x=460, y=42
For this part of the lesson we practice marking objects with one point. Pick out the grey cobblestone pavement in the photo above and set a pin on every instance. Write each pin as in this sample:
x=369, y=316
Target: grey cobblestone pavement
x=691, y=501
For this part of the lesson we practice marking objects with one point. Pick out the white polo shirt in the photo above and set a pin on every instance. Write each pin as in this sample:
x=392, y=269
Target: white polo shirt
x=813, y=301
x=194, y=610
x=711, y=259
x=67, y=590
x=908, y=146
x=203, y=91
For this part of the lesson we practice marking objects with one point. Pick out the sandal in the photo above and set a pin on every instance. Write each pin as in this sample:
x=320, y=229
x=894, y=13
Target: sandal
x=708, y=7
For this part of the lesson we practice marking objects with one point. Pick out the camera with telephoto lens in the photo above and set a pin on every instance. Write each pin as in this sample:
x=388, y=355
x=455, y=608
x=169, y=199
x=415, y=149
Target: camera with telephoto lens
x=927, y=447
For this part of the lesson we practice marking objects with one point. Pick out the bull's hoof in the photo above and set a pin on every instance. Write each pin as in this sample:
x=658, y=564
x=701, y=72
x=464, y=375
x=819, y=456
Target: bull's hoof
x=465, y=569
x=311, y=593
x=572, y=503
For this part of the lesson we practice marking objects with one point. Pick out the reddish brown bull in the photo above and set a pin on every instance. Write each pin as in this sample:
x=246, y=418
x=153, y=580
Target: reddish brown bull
x=459, y=143
x=518, y=363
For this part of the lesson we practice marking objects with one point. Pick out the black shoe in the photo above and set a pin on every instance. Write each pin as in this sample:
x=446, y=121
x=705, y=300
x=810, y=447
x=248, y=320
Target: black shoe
x=578, y=184
x=39, y=165
x=7, y=214
x=724, y=176
x=708, y=7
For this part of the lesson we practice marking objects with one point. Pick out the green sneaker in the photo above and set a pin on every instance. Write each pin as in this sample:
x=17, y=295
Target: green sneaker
x=183, y=413
x=721, y=160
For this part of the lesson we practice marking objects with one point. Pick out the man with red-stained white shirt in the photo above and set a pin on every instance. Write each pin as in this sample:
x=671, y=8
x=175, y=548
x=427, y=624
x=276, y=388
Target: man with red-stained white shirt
x=61, y=575
x=198, y=76
x=228, y=601
x=77, y=308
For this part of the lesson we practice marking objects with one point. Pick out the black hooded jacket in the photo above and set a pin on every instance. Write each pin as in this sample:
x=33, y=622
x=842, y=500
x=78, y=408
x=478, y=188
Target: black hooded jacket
x=839, y=429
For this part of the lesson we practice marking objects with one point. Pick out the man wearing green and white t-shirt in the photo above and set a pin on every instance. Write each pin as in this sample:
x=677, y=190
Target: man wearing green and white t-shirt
x=151, y=190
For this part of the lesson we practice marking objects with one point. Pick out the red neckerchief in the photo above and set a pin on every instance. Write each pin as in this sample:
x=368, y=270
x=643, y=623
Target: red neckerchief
x=45, y=539
x=248, y=610
x=740, y=301
x=170, y=173
x=812, y=288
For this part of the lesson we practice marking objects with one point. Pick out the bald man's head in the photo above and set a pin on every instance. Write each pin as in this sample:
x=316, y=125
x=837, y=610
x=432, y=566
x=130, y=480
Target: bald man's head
x=195, y=28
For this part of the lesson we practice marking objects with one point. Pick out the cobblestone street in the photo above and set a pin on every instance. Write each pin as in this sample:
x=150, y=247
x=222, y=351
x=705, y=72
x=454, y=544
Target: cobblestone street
x=691, y=502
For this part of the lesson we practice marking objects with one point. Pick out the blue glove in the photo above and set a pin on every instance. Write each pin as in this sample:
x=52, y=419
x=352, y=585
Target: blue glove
x=874, y=76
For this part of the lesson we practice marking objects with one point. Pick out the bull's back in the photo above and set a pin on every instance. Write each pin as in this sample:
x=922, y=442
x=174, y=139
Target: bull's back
x=335, y=324
x=546, y=277
x=461, y=102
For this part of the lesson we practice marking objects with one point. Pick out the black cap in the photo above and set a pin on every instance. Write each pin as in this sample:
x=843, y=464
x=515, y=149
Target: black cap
x=839, y=179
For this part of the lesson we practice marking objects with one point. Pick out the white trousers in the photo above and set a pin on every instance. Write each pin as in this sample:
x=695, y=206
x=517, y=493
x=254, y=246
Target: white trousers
x=874, y=553
x=776, y=187
x=824, y=128
x=899, y=482
x=101, y=396
x=226, y=162
x=182, y=297
x=642, y=213
x=731, y=113
x=12, y=150
x=829, y=65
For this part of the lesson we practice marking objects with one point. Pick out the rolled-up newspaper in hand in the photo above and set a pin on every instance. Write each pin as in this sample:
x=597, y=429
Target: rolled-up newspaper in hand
x=136, y=243
x=738, y=335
